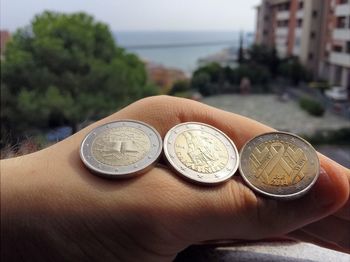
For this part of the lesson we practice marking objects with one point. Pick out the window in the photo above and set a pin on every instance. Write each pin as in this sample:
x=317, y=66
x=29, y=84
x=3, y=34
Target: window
x=337, y=48
x=283, y=7
x=299, y=22
x=301, y=5
x=314, y=14
x=343, y=1
x=341, y=20
x=282, y=23
x=337, y=75
x=348, y=47
x=311, y=56
x=312, y=35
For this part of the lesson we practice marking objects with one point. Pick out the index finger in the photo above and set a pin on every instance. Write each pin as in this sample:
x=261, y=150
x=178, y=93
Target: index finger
x=165, y=112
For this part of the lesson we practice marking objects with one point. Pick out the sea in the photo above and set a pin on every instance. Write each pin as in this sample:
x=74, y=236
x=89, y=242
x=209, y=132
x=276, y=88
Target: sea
x=179, y=49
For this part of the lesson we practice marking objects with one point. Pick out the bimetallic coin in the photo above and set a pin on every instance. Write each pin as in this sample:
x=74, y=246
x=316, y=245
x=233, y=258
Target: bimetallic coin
x=121, y=149
x=201, y=153
x=279, y=165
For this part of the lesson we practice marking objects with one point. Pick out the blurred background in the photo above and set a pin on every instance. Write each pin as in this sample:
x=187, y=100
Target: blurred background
x=65, y=64
x=286, y=63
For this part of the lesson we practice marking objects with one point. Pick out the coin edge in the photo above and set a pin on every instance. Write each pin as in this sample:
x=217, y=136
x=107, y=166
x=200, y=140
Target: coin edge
x=173, y=166
x=125, y=174
x=281, y=197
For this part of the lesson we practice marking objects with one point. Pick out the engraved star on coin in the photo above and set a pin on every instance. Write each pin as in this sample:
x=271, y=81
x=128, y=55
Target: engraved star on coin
x=121, y=149
x=201, y=153
x=279, y=165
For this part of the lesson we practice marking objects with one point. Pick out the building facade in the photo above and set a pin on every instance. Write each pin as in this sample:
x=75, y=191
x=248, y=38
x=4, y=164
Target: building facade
x=316, y=31
x=4, y=38
x=335, y=51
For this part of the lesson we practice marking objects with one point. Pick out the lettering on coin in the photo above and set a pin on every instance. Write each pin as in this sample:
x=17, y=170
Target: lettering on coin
x=121, y=146
x=201, y=151
x=278, y=163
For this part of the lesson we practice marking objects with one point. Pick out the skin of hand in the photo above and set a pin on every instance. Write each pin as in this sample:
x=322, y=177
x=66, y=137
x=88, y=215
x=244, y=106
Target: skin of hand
x=54, y=209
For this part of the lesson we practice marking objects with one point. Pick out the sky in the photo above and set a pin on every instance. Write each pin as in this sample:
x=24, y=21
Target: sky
x=139, y=15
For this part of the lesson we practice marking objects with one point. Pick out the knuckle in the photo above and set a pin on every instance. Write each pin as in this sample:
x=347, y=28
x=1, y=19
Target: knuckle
x=272, y=219
x=241, y=201
x=157, y=101
x=264, y=216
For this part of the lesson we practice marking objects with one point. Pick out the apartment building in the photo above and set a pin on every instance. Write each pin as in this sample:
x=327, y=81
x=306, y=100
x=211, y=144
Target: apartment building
x=335, y=43
x=316, y=31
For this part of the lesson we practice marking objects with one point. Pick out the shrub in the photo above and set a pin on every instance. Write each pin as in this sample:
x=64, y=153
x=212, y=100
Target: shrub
x=320, y=85
x=292, y=69
x=312, y=106
x=330, y=137
x=180, y=87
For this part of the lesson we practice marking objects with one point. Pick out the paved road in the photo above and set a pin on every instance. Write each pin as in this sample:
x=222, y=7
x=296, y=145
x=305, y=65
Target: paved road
x=341, y=154
x=284, y=116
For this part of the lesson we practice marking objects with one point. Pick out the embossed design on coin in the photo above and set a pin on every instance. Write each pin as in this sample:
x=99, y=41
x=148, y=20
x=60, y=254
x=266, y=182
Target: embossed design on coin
x=121, y=146
x=201, y=153
x=121, y=149
x=279, y=165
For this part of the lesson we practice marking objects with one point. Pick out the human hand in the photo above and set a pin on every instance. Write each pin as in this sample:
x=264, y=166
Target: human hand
x=332, y=231
x=54, y=209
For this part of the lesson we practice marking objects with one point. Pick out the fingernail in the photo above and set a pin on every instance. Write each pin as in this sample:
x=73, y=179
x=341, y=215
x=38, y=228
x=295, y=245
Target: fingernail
x=322, y=189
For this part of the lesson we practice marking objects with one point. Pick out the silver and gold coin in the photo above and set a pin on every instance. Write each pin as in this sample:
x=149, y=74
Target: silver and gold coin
x=121, y=149
x=201, y=153
x=279, y=165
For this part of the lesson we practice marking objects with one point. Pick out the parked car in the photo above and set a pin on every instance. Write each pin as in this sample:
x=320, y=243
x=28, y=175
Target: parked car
x=337, y=93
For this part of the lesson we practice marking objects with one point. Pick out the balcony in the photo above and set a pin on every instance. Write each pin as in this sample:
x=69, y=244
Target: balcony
x=281, y=31
x=281, y=50
x=341, y=59
x=341, y=34
x=298, y=32
x=342, y=9
x=281, y=41
x=299, y=14
x=282, y=15
x=296, y=50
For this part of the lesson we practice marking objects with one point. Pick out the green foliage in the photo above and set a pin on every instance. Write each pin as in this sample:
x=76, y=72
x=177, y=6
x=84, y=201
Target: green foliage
x=182, y=86
x=337, y=137
x=312, y=106
x=293, y=70
x=321, y=85
x=52, y=106
x=240, y=54
x=67, y=67
x=213, y=79
x=201, y=82
x=289, y=68
x=257, y=74
x=259, y=64
x=265, y=57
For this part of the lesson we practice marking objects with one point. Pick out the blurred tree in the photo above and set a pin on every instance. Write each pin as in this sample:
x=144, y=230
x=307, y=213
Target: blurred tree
x=179, y=87
x=68, y=67
x=201, y=82
x=209, y=79
x=264, y=56
x=240, y=58
x=293, y=70
x=213, y=79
